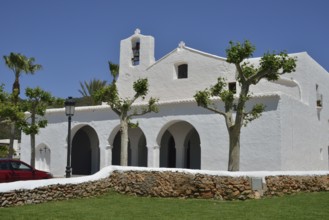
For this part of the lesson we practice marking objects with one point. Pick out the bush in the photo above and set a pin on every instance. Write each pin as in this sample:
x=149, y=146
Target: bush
x=4, y=151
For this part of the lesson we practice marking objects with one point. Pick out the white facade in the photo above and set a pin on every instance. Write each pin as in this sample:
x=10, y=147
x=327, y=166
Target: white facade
x=292, y=133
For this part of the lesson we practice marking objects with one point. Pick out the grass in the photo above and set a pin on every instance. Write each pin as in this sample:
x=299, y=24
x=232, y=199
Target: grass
x=116, y=206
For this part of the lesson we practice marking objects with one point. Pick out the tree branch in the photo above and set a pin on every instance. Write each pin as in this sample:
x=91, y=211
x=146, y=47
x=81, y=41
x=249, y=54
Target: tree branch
x=116, y=111
x=215, y=110
x=136, y=96
x=240, y=72
x=254, y=79
x=225, y=114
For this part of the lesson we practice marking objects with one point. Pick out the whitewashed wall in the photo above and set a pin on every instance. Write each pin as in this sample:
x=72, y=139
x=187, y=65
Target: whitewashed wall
x=259, y=146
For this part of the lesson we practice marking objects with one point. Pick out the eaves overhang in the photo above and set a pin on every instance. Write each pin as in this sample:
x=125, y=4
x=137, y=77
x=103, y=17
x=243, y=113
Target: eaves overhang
x=105, y=106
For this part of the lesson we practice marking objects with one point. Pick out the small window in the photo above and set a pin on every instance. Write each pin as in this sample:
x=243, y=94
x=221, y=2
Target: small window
x=319, y=98
x=182, y=71
x=319, y=102
x=232, y=87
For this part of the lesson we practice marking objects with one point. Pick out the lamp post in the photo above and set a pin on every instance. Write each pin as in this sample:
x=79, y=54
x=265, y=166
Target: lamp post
x=69, y=111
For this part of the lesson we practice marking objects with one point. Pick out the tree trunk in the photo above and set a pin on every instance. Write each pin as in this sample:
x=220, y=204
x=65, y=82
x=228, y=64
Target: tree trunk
x=16, y=85
x=234, y=151
x=124, y=142
x=235, y=131
x=32, y=136
x=11, y=140
x=33, y=150
x=16, y=88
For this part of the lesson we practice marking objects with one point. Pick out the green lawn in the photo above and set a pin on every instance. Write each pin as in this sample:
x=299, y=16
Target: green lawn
x=116, y=206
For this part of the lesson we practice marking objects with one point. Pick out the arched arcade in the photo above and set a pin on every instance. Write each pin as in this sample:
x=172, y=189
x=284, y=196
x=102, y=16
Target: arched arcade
x=137, y=149
x=179, y=145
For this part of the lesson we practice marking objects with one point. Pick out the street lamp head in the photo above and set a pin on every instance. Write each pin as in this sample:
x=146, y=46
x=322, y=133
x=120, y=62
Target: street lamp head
x=69, y=106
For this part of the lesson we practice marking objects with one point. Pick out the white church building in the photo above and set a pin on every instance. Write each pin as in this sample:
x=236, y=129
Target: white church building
x=291, y=134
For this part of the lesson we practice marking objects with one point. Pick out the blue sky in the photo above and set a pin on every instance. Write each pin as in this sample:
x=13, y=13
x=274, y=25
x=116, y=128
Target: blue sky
x=74, y=39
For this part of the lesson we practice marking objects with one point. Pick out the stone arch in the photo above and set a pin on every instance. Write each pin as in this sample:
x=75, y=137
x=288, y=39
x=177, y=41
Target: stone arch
x=137, y=148
x=42, y=157
x=113, y=135
x=85, y=156
x=179, y=145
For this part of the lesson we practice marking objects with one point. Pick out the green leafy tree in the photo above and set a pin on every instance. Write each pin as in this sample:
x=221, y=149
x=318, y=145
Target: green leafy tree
x=3, y=151
x=124, y=107
x=9, y=112
x=89, y=89
x=36, y=104
x=3, y=103
x=270, y=67
x=19, y=64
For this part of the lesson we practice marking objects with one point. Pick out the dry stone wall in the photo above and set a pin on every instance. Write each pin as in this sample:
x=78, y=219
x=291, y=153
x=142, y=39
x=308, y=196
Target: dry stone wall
x=170, y=184
x=281, y=185
x=177, y=184
x=54, y=193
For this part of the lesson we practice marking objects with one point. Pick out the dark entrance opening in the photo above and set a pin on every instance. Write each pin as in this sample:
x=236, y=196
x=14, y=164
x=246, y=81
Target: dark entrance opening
x=180, y=146
x=85, y=152
x=116, y=152
x=193, y=151
x=168, y=151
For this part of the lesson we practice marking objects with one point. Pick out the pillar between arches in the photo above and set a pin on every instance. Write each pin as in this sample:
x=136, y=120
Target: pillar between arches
x=153, y=153
x=108, y=155
x=180, y=152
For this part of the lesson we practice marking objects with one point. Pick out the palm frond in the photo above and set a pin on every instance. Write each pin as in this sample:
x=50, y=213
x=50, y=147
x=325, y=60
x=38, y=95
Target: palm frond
x=88, y=89
x=114, y=69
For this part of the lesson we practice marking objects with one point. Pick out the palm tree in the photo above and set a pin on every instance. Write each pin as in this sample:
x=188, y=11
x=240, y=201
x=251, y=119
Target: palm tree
x=88, y=89
x=114, y=70
x=18, y=63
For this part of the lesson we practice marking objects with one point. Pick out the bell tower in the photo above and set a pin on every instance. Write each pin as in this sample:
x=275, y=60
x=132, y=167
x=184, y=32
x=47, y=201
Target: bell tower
x=136, y=52
x=136, y=55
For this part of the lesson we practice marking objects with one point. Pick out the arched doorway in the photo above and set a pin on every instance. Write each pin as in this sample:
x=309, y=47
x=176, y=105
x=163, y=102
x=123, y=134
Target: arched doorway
x=85, y=151
x=193, y=150
x=167, y=151
x=180, y=146
x=137, y=150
